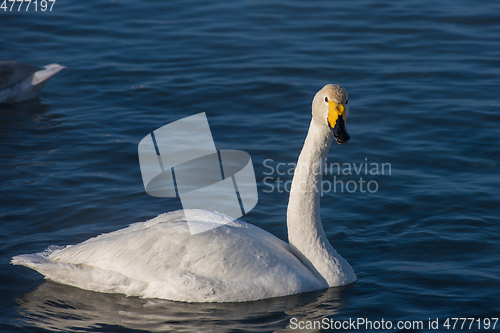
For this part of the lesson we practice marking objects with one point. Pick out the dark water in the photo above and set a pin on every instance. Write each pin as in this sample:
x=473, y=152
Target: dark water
x=423, y=80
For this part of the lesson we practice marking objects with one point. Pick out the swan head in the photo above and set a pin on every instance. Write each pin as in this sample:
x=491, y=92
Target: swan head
x=330, y=108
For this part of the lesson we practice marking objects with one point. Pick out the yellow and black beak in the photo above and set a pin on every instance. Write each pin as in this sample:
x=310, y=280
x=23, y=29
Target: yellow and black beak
x=336, y=121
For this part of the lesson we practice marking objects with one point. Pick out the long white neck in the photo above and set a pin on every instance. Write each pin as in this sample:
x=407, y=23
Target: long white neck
x=305, y=232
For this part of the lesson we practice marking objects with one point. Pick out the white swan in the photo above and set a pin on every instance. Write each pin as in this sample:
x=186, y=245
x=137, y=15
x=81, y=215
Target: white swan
x=231, y=263
x=21, y=82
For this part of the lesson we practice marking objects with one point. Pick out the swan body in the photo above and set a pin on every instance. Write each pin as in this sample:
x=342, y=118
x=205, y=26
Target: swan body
x=234, y=262
x=21, y=82
x=161, y=259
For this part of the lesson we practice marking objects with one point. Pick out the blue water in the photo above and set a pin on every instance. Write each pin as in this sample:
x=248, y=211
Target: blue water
x=423, y=80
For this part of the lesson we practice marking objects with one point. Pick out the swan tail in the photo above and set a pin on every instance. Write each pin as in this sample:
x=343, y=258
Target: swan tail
x=81, y=276
x=33, y=260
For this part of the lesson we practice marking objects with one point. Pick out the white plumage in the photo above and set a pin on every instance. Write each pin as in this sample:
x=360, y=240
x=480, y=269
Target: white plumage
x=160, y=258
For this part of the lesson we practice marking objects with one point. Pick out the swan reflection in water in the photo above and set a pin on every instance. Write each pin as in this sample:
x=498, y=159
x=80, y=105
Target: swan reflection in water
x=61, y=308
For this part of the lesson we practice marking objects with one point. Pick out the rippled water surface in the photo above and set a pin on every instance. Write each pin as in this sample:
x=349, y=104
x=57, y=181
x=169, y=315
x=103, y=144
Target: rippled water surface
x=423, y=80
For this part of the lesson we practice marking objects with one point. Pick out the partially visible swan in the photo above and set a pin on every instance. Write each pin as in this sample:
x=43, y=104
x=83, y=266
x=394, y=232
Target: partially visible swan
x=231, y=263
x=20, y=82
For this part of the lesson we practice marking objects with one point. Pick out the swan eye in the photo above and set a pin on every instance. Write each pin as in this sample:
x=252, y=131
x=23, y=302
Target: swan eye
x=326, y=99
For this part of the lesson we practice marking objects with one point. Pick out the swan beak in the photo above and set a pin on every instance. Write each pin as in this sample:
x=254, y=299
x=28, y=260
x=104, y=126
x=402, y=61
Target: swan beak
x=336, y=122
